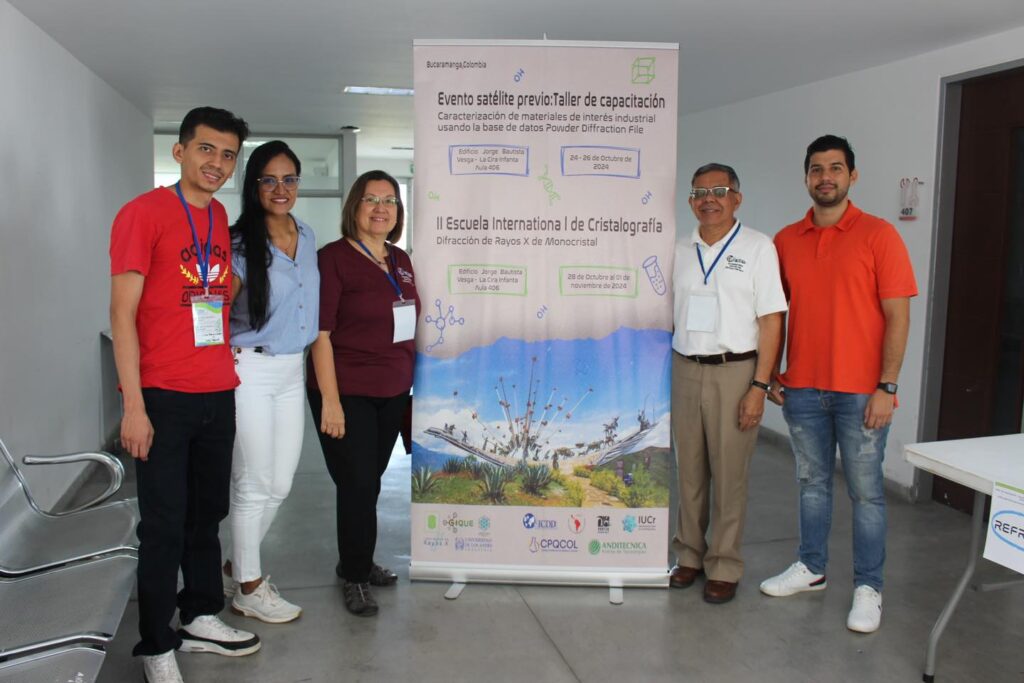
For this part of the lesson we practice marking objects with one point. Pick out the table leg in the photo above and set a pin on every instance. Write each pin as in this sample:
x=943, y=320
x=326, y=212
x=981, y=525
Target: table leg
x=977, y=529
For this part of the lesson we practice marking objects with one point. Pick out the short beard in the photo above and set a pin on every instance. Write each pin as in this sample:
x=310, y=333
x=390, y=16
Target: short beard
x=829, y=203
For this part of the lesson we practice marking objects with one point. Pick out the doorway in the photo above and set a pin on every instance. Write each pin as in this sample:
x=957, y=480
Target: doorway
x=982, y=381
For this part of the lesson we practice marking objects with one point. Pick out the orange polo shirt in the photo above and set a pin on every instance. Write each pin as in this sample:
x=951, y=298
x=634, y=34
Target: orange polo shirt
x=835, y=278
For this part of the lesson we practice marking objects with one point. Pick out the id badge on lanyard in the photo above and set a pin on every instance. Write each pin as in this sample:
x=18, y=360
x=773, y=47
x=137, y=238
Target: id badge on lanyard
x=702, y=311
x=207, y=309
x=404, y=312
x=405, y=320
x=208, y=319
x=702, y=303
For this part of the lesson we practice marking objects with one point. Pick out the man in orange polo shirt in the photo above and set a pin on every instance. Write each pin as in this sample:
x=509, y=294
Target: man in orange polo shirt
x=848, y=278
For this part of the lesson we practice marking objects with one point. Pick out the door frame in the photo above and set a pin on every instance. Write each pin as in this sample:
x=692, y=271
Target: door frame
x=943, y=200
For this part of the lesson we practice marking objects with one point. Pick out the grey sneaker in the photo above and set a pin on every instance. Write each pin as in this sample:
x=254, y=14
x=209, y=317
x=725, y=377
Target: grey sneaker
x=161, y=668
x=382, y=576
x=358, y=599
x=207, y=633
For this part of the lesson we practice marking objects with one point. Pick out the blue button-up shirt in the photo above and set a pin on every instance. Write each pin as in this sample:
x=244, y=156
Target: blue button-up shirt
x=294, y=307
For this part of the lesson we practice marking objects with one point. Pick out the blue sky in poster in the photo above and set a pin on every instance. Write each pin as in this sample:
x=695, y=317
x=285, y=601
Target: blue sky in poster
x=627, y=370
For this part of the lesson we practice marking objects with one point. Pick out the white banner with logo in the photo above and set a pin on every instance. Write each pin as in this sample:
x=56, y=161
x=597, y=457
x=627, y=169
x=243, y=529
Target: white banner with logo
x=1005, y=541
x=545, y=222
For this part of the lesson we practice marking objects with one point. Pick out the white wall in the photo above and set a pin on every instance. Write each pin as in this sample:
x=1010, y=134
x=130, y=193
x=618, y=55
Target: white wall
x=73, y=151
x=890, y=114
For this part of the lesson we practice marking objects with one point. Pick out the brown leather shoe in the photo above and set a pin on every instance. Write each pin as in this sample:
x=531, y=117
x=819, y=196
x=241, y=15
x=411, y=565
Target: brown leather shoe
x=717, y=592
x=683, y=577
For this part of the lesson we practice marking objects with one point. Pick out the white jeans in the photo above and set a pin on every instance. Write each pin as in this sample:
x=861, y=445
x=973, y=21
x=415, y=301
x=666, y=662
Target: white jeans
x=270, y=415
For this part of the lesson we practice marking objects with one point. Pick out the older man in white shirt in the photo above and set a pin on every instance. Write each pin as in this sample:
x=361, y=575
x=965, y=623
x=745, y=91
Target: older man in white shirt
x=729, y=305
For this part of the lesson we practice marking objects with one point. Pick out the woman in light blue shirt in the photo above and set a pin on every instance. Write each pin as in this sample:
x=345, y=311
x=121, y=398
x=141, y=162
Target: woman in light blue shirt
x=274, y=317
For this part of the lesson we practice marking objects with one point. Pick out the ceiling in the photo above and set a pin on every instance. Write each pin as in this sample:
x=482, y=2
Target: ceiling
x=282, y=65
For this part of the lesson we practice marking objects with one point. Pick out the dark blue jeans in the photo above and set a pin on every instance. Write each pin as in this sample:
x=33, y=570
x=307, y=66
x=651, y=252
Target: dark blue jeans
x=183, y=496
x=818, y=421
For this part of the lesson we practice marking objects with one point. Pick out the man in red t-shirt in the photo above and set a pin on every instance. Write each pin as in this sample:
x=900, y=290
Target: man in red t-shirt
x=170, y=265
x=849, y=280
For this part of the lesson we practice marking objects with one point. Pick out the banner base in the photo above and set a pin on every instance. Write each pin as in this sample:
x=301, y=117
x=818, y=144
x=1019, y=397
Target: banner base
x=606, y=577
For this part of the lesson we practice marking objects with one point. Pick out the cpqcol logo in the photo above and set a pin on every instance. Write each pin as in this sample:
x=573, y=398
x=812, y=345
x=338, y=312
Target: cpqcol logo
x=1008, y=527
x=553, y=545
x=532, y=521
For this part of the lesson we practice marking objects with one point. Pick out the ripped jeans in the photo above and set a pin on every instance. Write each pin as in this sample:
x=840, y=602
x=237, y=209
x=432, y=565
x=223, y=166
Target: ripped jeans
x=818, y=420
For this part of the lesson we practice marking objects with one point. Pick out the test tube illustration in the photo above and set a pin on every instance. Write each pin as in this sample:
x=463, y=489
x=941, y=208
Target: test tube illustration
x=655, y=275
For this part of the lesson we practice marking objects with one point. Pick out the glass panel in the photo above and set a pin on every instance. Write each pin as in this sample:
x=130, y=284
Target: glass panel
x=323, y=214
x=319, y=157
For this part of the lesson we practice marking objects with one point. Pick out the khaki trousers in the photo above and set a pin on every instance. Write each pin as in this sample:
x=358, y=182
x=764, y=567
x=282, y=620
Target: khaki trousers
x=713, y=457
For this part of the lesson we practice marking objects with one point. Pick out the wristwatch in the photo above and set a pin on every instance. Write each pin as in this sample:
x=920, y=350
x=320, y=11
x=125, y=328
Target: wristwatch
x=888, y=387
x=760, y=385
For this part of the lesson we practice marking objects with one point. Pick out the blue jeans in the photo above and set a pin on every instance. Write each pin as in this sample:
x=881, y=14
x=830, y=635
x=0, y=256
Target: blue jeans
x=818, y=420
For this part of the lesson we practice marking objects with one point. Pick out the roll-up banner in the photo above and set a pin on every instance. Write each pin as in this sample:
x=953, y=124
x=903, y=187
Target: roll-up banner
x=543, y=240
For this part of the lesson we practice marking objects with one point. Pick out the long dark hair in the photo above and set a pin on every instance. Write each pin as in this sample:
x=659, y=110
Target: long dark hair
x=355, y=197
x=249, y=233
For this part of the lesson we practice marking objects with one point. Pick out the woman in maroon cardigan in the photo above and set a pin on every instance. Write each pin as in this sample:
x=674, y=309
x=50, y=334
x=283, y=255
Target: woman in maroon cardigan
x=362, y=362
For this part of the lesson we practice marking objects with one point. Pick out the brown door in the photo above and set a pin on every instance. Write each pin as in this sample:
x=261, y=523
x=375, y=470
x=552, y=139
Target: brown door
x=983, y=370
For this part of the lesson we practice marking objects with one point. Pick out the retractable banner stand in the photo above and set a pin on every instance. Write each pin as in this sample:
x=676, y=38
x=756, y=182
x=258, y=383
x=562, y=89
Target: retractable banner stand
x=545, y=221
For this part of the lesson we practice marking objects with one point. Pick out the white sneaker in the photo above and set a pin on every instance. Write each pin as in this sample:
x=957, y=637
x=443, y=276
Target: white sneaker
x=797, y=579
x=866, y=613
x=265, y=604
x=161, y=668
x=207, y=633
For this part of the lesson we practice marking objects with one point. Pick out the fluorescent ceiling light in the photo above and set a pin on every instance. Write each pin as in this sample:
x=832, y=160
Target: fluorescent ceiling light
x=372, y=90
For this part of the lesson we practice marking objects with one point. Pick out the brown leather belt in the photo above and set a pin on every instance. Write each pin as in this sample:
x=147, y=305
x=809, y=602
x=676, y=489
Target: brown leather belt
x=719, y=358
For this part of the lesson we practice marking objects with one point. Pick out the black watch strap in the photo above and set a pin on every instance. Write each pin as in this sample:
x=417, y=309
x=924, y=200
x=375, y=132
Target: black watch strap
x=759, y=385
x=888, y=387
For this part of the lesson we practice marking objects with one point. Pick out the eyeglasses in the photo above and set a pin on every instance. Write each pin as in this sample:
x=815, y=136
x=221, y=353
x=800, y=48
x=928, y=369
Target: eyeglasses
x=374, y=200
x=269, y=182
x=702, y=192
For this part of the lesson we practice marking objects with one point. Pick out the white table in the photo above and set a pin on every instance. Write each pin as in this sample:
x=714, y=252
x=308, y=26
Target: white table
x=977, y=464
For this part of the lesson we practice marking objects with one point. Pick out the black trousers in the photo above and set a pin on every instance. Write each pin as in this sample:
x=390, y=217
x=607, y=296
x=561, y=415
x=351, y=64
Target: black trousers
x=357, y=462
x=183, y=496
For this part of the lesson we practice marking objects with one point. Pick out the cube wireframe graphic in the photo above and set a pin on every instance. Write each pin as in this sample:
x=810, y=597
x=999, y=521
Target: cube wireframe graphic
x=643, y=70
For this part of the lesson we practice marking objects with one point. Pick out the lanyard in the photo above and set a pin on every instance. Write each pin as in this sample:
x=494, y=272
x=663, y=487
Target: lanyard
x=700, y=259
x=394, y=266
x=202, y=257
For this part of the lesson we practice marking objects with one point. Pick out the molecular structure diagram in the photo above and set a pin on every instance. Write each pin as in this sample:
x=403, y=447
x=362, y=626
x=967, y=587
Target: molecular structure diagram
x=441, y=322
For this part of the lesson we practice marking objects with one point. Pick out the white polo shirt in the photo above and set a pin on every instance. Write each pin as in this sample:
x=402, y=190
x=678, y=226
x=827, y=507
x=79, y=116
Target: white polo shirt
x=745, y=282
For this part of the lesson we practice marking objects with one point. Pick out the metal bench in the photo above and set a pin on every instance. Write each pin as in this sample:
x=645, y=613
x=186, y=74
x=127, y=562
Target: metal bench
x=70, y=664
x=74, y=605
x=33, y=540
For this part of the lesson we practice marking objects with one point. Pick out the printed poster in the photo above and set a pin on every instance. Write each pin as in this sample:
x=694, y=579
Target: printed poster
x=1005, y=541
x=545, y=223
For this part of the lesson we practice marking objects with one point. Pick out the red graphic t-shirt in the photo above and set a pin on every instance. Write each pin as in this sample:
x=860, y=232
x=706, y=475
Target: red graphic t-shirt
x=151, y=235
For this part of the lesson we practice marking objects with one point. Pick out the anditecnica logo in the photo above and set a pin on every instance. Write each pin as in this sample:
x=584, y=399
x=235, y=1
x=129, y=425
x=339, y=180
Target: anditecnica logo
x=594, y=547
